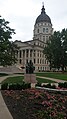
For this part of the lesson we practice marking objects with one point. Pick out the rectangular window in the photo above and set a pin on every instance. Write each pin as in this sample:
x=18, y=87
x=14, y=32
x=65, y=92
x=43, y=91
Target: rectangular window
x=46, y=38
x=43, y=29
x=37, y=30
x=20, y=61
x=34, y=61
x=38, y=61
x=43, y=38
x=46, y=30
x=27, y=61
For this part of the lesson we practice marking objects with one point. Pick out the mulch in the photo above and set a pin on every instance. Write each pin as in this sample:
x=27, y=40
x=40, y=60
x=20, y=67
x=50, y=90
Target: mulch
x=35, y=104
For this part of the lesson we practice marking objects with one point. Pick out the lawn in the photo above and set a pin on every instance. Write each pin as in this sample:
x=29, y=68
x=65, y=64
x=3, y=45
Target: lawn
x=40, y=80
x=15, y=79
x=19, y=79
x=53, y=75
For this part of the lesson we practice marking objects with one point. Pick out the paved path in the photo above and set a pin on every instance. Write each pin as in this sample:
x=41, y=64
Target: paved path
x=53, y=79
x=4, y=112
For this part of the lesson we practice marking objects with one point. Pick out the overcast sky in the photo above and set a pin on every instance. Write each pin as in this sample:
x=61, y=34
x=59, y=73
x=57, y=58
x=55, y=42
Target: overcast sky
x=22, y=15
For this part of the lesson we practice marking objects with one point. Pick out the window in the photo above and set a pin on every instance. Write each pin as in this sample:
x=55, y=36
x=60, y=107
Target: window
x=38, y=54
x=43, y=29
x=34, y=61
x=46, y=30
x=37, y=30
x=46, y=37
x=43, y=38
x=38, y=68
x=27, y=61
x=38, y=60
x=20, y=61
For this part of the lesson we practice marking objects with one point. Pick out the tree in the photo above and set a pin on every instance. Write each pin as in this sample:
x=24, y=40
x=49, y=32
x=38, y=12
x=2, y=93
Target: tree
x=55, y=50
x=7, y=48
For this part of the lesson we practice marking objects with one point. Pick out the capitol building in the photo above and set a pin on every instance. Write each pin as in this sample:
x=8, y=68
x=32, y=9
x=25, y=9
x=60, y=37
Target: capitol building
x=33, y=49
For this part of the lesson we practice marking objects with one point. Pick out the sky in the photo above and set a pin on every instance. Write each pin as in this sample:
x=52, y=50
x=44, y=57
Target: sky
x=22, y=15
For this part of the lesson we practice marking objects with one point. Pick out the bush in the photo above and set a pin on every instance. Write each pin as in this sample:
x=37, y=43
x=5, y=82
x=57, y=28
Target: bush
x=53, y=86
x=26, y=85
x=19, y=86
x=48, y=85
x=62, y=85
x=4, y=86
x=15, y=86
x=65, y=84
x=38, y=84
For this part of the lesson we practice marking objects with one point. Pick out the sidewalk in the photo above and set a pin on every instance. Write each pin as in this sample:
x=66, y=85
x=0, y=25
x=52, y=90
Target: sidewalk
x=4, y=112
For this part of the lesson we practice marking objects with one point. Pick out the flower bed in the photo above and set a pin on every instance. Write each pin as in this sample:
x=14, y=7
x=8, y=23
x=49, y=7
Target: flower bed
x=34, y=103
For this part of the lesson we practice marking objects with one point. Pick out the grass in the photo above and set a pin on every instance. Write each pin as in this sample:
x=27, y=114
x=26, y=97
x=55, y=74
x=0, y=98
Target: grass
x=16, y=79
x=53, y=75
x=40, y=80
x=19, y=79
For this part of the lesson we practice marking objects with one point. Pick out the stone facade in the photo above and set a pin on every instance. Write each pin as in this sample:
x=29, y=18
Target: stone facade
x=33, y=49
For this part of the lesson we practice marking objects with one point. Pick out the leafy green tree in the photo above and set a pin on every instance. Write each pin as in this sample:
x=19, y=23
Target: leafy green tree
x=55, y=50
x=7, y=48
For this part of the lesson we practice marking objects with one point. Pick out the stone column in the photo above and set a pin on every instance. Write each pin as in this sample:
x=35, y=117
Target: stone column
x=29, y=54
x=36, y=56
x=22, y=56
x=18, y=56
x=32, y=55
x=25, y=56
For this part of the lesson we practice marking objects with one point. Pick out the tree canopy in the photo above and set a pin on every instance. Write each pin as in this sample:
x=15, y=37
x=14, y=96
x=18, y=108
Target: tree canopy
x=56, y=50
x=7, y=48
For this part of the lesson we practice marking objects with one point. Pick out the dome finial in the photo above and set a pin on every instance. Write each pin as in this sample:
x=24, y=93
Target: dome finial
x=42, y=3
x=43, y=9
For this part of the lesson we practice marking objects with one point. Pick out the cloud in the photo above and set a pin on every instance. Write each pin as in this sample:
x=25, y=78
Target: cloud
x=22, y=15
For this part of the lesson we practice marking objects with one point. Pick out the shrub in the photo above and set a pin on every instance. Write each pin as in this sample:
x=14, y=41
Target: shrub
x=62, y=85
x=48, y=85
x=65, y=84
x=53, y=86
x=19, y=86
x=4, y=86
x=38, y=84
x=15, y=86
x=26, y=85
